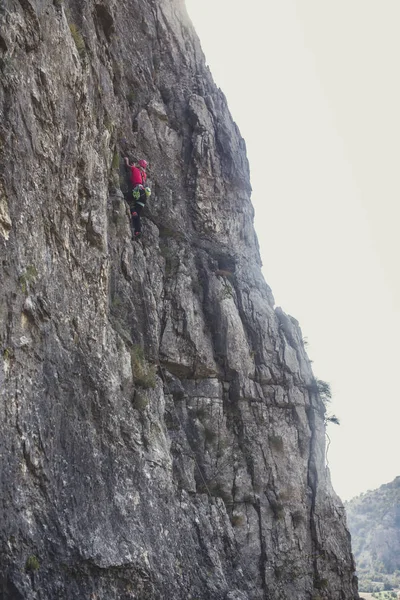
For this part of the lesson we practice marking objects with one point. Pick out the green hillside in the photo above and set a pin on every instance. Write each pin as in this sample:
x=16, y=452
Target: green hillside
x=374, y=522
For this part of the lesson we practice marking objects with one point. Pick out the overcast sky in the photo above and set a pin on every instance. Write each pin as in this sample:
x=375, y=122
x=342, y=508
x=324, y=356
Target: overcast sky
x=314, y=87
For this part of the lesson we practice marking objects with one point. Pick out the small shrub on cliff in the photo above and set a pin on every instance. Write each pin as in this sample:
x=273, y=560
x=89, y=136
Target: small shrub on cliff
x=27, y=277
x=143, y=373
x=332, y=419
x=320, y=583
x=8, y=354
x=226, y=292
x=115, y=160
x=322, y=388
x=117, y=302
x=78, y=39
x=130, y=97
x=140, y=401
x=32, y=563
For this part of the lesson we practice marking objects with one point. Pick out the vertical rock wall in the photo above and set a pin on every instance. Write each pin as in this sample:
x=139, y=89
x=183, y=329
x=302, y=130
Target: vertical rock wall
x=162, y=434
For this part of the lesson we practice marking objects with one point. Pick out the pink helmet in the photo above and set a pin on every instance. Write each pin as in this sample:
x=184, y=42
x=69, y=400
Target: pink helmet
x=143, y=163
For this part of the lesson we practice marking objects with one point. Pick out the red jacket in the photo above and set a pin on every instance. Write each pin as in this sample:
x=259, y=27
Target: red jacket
x=138, y=176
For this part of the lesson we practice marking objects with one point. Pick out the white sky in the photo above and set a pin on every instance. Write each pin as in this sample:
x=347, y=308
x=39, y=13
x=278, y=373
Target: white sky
x=314, y=86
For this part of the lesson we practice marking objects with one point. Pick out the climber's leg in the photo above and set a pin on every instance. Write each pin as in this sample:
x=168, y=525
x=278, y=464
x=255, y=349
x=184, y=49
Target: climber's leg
x=136, y=224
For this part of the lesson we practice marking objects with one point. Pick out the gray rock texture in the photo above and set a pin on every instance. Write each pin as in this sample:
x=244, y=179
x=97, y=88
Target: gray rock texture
x=162, y=435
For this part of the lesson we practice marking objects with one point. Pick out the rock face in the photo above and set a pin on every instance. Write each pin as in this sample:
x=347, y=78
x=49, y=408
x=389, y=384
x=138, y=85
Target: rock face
x=162, y=435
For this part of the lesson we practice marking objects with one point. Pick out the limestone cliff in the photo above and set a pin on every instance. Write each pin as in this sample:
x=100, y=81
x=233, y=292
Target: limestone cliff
x=162, y=435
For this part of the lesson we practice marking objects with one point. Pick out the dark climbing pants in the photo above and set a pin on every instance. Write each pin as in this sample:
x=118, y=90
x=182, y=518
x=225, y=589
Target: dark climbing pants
x=135, y=214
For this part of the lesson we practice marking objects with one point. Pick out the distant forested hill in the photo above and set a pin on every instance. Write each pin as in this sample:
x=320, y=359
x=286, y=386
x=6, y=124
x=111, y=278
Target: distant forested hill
x=374, y=522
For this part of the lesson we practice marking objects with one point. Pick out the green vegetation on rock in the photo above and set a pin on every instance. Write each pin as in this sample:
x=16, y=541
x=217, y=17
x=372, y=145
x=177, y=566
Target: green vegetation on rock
x=144, y=374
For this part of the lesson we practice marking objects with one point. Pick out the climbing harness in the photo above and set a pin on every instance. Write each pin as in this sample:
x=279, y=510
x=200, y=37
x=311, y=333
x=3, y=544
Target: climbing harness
x=140, y=195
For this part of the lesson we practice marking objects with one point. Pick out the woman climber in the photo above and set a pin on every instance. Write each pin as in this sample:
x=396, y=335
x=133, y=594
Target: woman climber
x=138, y=193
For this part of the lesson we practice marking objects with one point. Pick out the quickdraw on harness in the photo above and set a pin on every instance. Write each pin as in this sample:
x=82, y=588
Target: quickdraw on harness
x=137, y=194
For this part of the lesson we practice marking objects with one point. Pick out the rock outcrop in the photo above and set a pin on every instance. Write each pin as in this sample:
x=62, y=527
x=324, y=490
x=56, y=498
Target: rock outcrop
x=162, y=434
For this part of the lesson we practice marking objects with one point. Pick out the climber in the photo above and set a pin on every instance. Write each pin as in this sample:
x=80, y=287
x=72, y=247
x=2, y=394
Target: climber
x=138, y=193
